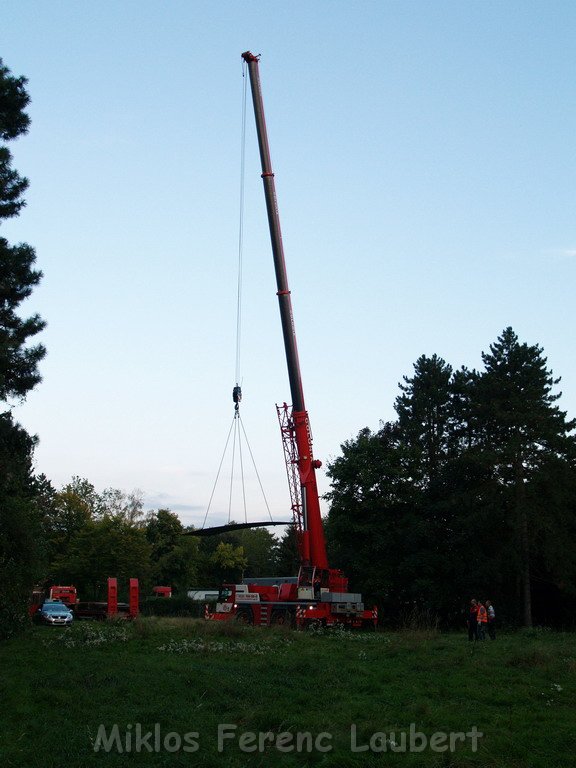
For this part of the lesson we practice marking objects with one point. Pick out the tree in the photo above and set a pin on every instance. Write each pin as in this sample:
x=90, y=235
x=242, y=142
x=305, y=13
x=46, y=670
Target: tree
x=21, y=547
x=371, y=498
x=124, y=507
x=552, y=548
x=177, y=568
x=104, y=548
x=14, y=99
x=229, y=561
x=72, y=508
x=254, y=555
x=424, y=411
x=18, y=363
x=174, y=557
x=20, y=554
x=163, y=531
x=522, y=428
x=13, y=123
x=286, y=555
x=65, y=513
x=259, y=547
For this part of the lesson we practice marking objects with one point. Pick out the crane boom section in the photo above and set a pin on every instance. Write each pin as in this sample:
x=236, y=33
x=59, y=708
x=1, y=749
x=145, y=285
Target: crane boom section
x=311, y=535
x=284, y=300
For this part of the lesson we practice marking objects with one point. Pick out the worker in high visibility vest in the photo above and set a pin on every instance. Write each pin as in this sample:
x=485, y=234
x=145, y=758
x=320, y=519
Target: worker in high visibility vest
x=482, y=621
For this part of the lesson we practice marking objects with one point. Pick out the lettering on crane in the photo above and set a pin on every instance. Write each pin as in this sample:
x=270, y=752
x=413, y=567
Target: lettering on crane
x=247, y=597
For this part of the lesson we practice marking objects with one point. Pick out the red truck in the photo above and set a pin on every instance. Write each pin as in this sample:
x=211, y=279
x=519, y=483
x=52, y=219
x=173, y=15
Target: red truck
x=66, y=595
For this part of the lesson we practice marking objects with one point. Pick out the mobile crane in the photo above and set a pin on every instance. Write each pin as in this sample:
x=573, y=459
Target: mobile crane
x=319, y=594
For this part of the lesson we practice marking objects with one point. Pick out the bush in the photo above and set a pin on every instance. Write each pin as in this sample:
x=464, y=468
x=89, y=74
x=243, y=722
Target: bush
x=419, y=619
x=14, y=604
x=171, y=606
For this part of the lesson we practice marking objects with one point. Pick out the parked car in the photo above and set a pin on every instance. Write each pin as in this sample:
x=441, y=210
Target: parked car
x=54, y=614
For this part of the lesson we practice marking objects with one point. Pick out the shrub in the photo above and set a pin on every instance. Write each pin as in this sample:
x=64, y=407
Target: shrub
x=171, y=606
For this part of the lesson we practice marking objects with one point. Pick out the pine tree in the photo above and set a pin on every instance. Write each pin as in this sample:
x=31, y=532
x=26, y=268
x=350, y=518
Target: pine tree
x=18, y=363
x=424, y=412
x=521, y=428
x=19, y=513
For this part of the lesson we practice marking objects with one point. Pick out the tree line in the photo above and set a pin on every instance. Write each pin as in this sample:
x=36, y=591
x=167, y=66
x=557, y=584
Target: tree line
x=469, y=492
x=89, y=536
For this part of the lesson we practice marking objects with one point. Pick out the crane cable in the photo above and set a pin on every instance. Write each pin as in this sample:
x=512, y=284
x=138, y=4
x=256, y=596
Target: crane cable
x=241, y=228
x=237, y=391
x=237, y=419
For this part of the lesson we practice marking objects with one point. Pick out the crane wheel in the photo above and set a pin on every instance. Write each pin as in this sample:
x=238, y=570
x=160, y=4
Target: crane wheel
x=282, y=618
x=245, y=616
x=315, y=625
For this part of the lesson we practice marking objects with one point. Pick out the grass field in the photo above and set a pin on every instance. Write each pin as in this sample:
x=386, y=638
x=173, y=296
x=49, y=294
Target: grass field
x=317, y=699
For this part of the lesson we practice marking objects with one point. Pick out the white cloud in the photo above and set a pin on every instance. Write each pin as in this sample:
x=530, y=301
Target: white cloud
x=561, y=252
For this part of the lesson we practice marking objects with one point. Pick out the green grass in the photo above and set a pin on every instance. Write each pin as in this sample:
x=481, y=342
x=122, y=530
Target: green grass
x=57, y=687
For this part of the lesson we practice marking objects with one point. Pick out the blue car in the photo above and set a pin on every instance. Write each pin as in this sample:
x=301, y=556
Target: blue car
x=54, y=614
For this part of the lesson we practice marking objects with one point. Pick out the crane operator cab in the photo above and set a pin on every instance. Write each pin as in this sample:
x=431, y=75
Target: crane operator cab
x=312, y=582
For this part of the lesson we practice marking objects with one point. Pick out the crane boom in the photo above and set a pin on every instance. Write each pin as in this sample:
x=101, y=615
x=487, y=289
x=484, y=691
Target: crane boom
x=311, y=541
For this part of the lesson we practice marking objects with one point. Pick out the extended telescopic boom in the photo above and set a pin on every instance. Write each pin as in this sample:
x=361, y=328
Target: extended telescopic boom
x=283, y=294
x=311, y=536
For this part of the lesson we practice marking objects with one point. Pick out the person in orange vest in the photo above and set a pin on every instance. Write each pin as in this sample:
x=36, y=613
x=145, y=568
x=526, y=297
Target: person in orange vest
x=473, y=621
x=482, y=621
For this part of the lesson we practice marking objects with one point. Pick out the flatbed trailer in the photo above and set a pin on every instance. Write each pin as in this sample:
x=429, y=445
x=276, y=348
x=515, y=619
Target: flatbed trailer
x=98, y=610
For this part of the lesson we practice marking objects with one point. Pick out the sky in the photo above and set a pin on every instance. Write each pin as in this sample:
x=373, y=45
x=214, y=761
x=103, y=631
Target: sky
x=425, y=167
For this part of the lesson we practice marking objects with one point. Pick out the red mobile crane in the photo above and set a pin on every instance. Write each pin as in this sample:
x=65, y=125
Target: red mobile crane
x=318, y=595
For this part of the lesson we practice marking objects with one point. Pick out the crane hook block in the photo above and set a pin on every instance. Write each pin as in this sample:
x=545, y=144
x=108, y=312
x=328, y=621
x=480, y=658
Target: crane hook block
x=237, y=395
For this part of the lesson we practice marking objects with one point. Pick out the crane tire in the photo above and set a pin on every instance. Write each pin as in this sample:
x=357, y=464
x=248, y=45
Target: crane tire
x=282, y=617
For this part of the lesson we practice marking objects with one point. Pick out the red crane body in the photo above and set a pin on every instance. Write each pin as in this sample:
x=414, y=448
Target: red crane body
x=319, y=594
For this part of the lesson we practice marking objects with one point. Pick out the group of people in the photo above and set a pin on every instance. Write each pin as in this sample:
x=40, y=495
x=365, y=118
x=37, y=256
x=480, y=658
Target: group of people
x=481, y=619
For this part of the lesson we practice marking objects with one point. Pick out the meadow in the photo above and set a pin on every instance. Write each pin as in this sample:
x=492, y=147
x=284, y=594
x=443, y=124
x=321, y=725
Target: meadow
x=184, y=692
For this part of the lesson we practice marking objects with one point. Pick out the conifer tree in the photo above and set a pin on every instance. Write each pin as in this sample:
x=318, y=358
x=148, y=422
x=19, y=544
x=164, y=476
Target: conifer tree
x=18, y=363
x=521, y=428
x=20, y=516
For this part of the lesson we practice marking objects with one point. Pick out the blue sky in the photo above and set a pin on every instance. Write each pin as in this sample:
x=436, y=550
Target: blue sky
x=425, y=170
